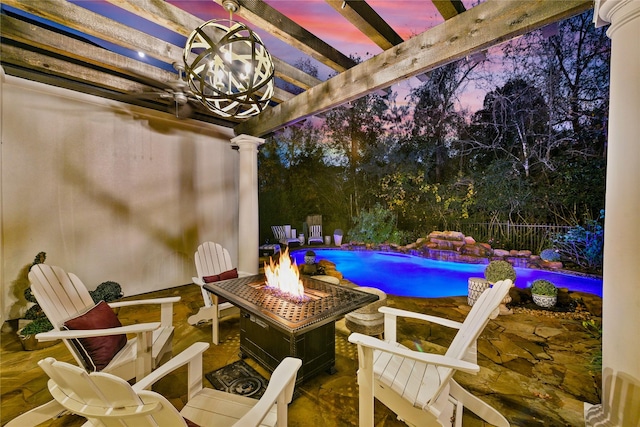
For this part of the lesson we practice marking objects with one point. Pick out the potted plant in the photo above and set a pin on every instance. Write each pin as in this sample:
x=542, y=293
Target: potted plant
x=27, y=335
x=544, y=293
x=499, y=270
x=310, y=257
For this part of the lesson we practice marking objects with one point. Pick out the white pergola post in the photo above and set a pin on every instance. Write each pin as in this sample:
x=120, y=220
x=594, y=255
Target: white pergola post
x=621, y=293
x=248, y=219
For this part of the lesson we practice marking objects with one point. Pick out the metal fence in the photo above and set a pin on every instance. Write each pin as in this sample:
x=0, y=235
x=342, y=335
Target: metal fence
x=507, y=235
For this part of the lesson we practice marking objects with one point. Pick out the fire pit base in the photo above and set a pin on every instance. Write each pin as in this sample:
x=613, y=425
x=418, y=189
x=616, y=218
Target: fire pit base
x=272, y=328
x=269, y=345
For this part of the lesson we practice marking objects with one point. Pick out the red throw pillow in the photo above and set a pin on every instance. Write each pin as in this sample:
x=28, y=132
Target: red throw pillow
x=190, y=423
x=97, y=352
x=231, y=274
x=225, y=275
x=210, y=279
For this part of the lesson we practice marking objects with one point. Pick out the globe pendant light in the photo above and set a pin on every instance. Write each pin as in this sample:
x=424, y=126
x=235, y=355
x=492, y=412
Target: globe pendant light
x=228, y=68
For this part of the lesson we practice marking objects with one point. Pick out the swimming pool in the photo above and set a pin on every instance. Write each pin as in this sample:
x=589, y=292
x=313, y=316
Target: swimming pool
x=407, y=275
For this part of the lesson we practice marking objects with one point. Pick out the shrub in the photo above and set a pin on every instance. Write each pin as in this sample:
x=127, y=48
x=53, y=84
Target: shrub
x=106, y=291
x=377, y=225
x=499, y=270
x=41, y=324
x=543, y=287
x=583, y=245
x=550, y=255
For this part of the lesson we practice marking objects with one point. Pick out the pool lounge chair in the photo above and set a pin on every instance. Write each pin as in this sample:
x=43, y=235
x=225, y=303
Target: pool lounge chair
x=315, y=235
x=281, y=235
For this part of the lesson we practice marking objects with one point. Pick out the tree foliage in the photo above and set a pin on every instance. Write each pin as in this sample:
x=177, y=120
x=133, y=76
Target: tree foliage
x=533, y=153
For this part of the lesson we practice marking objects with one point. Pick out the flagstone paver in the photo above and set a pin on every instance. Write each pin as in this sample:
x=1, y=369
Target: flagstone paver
x=535, y=369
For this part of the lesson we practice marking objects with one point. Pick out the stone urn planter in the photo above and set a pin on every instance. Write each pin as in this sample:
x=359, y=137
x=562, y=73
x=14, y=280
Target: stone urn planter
x=310, y=257
x=545, y=301
x=544, y=293
x=476, y=286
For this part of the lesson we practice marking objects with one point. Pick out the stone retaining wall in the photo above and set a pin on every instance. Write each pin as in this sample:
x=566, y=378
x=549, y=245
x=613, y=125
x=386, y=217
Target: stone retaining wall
x=455, y=246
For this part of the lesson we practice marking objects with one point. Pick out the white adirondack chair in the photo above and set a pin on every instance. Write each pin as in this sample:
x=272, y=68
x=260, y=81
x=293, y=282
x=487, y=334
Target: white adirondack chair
x=105, y=399
x=315, y=235
x=212, y=259
x=419, y=387
x=63, y=296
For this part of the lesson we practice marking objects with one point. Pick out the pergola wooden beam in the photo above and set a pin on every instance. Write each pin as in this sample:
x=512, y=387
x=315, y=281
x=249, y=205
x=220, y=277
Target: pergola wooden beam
x=485, y=25
x=181, y=22
x=93, y=24
x=81, y=52
x=260, y=14
x=449, y=8
x=367, y=20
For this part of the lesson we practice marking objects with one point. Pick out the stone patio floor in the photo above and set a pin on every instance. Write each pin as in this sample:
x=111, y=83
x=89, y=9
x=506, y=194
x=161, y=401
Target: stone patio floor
x=536, y=369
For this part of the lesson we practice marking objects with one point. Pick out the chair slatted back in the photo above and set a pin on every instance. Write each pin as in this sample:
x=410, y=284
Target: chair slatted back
x=106, y=399
x=211, y=258
x=61, y=295
x=278, y=231
x=315, y=231
x=463, y=345
x=485, y=309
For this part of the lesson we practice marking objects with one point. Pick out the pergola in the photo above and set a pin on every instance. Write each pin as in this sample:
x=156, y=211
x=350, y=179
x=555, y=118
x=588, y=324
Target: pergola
x=36, y=52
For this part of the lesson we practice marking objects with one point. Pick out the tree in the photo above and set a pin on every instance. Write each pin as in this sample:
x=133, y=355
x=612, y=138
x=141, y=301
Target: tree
x=354, y=133
x=436, y=121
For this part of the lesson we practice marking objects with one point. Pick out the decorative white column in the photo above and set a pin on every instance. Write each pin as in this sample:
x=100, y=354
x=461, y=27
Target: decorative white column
x=621, y=294
x=248, y=219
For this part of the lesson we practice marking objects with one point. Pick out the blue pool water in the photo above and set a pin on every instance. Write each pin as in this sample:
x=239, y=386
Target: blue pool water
x=412, y=276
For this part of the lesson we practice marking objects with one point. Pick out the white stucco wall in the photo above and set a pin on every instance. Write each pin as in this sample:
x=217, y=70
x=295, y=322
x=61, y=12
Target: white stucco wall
x=108, y=191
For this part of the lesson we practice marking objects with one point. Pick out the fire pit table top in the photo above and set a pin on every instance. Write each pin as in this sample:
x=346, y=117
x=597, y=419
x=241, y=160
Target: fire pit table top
x=325, y=303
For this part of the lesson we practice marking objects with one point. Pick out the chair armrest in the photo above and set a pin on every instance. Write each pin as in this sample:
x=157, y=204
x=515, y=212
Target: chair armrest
x=411, y=314
x=167, y=300
x=279, y=390
x=432, y=359
x=198, y=281
x=192, y=356
x=87, y=333
x=166, y=307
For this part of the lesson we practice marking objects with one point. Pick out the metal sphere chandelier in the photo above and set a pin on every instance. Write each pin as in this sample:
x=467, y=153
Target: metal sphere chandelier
x=228, y=68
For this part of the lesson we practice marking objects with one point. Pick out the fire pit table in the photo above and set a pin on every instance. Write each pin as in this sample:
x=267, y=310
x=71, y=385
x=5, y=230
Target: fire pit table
x=273, y=327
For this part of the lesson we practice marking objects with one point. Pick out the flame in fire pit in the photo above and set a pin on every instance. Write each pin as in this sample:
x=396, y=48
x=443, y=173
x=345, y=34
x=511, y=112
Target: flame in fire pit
x=284, y=278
